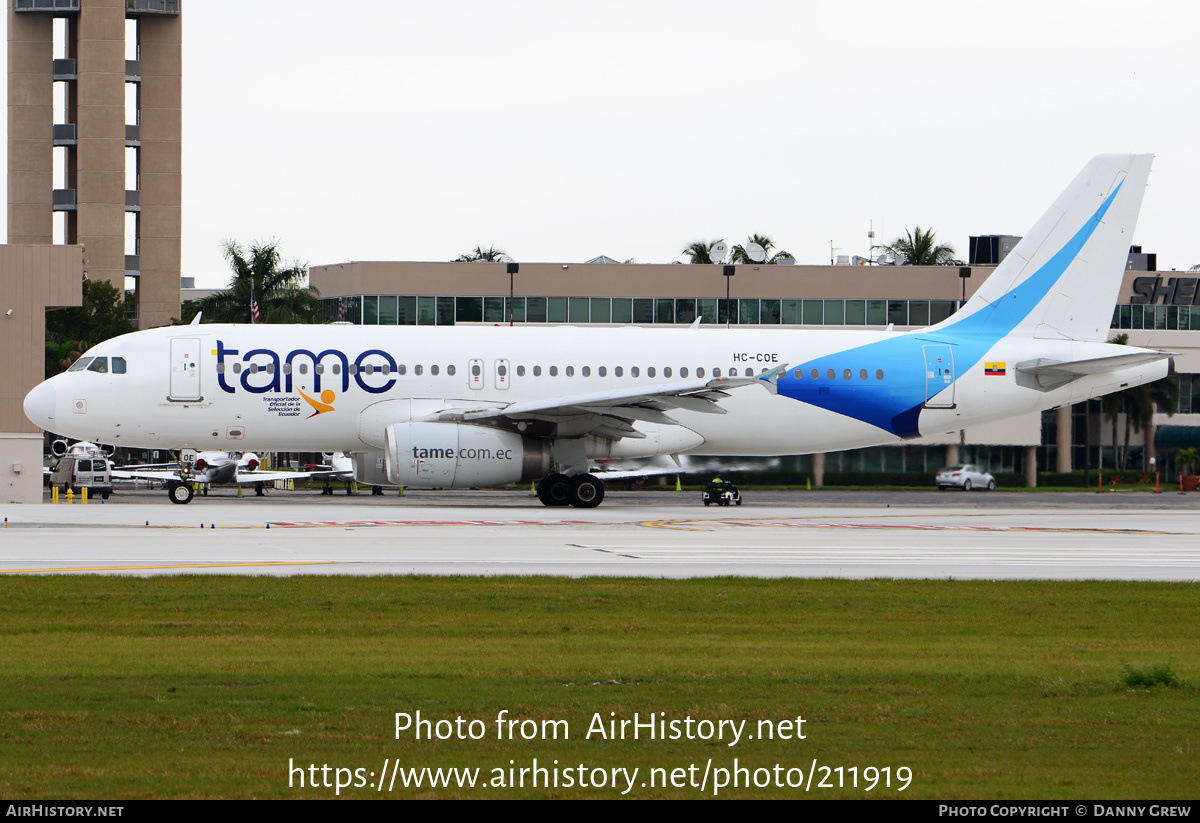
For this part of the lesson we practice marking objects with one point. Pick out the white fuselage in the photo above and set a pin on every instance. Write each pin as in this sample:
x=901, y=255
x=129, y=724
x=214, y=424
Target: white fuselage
x=337, y=387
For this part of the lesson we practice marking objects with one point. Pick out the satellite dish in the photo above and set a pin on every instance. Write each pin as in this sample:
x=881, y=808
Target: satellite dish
x=756, y=252
x=786, y=261
x=718, y=251
x=881, y=260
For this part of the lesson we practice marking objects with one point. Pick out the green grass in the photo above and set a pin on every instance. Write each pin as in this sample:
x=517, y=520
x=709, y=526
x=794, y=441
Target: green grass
x=206, y=686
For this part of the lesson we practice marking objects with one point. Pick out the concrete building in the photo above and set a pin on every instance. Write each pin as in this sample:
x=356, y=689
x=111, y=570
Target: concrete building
x=94, y=137
x=33, y=278
x=1155, y=309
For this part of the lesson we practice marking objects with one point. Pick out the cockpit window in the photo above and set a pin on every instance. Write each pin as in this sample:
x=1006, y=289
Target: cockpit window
x=100, y=365
x=118, y=365
x=80, y=364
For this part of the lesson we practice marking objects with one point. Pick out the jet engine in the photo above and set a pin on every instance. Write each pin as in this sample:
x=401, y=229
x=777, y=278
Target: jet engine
x=445, y=455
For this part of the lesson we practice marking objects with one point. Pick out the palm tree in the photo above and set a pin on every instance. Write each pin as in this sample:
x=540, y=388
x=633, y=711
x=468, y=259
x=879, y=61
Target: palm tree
x=700, y=251
x=1138, y=403
x=740, y=255
x=283, y=294
x=481, y=255
x=920, y=248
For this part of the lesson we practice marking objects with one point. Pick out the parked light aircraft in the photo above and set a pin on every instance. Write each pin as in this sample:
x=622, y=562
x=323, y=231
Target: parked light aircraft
x=219, y=468
x=475, y=406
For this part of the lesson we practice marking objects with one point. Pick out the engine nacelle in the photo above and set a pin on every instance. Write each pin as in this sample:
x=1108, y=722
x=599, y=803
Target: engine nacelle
x=446, y=455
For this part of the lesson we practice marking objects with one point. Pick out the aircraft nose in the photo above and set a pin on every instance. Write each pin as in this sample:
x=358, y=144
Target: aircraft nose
x=39, y=405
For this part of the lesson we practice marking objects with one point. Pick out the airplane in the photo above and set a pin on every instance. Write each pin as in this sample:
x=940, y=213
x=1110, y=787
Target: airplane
x=486, y=405
x=220, y=468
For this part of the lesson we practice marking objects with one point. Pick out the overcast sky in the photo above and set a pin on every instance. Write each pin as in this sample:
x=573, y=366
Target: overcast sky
x=563, y=130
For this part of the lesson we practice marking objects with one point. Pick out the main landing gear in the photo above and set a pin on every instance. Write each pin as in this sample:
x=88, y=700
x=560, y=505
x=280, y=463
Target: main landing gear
x=583, y=491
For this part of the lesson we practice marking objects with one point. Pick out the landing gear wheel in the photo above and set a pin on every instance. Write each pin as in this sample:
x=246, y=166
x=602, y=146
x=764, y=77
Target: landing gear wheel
x=259, y=489
x=991, y=485
x=966, y=485
x=179, y=492
x=555, y=490
x=586, y=491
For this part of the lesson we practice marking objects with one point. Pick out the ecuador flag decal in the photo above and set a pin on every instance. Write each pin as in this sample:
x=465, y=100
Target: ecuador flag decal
x=995, y=369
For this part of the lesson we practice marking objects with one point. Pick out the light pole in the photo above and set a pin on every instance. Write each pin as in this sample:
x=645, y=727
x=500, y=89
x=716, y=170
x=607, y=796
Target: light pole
x=728, y=271
x=513, y=268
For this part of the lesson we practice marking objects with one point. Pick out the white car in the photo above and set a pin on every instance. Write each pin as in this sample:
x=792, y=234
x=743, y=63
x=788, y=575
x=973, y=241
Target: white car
x=965, y=477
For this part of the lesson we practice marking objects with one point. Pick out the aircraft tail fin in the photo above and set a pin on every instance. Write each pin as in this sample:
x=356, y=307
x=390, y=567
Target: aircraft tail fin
x=1062, y=279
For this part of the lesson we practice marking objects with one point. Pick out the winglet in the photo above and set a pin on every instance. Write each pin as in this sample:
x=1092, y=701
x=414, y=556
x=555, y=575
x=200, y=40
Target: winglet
x=196, y=319
x=770, y=380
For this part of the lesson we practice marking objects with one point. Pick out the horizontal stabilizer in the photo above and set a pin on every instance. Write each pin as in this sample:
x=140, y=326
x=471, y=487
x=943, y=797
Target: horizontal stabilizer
x=1053, y=373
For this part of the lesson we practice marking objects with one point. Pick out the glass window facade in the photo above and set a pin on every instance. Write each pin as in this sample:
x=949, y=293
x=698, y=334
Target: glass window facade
x=423, y=310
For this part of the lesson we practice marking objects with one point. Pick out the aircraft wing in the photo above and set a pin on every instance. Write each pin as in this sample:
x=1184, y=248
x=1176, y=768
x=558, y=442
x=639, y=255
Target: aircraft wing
x=613, y=412
x=242, y=476
x=143, y=473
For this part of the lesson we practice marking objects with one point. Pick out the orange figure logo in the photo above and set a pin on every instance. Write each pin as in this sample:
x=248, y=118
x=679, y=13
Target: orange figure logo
x=325, y=404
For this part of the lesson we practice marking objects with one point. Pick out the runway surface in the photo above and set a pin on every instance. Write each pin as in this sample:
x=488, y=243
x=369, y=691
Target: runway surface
x=651, y=533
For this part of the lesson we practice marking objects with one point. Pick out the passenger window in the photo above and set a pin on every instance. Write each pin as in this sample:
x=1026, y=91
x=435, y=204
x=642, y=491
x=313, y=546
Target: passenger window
x=353, y=369
x=237, y=368
x=650, y=371
x=846, y=374
x=570, y=371
x=520, y=371
x=749, y=372
x=385, y=368
x=254, y=368
x=287, y=368
x=586, y=371
x=619, y=371
x=554, y=371
x=862, y=374
x=418, y=370
x=401, y=369
x=537, y=371
x=879, y=374
x=118, y=365
x=816, y=373
x=797, y=373
x=99, y=365
x=450, y=370
x=700, y=372
x=319, y=368
x=304, y=368
x=433, y=370
x=337, y=368
x=603, y=372
x=831, y=374
x=221, y=368
x=683, y=372
x=270, y=368
x=717, y=372
x=667, y=371
x=476, y=370
x=367, y=369
x=633, y=372
x=80, y=364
